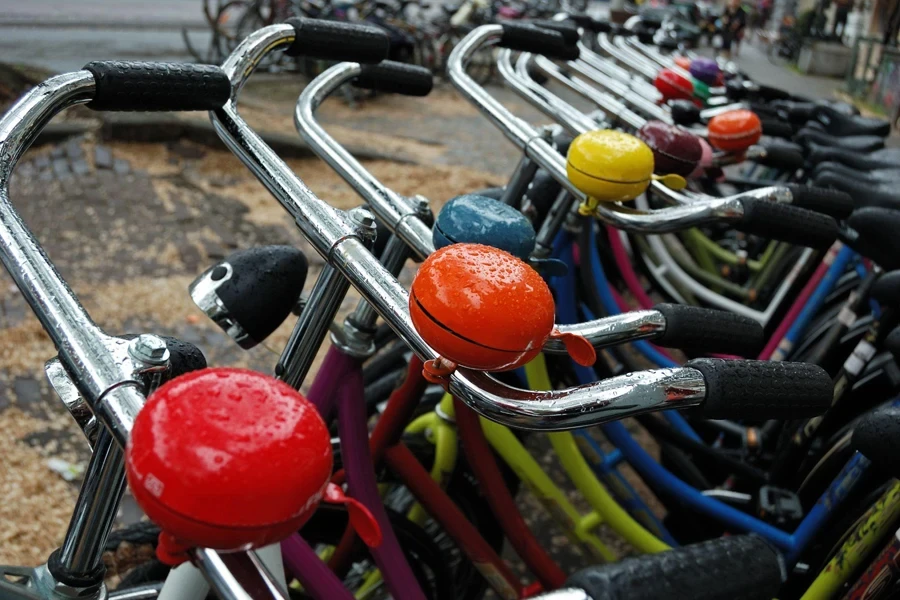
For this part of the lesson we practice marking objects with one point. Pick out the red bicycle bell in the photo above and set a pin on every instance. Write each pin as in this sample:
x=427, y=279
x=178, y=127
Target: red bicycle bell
x=232, y=460
x=735, y=130
x=674, y=149
x=483, y=308
x=673, y=85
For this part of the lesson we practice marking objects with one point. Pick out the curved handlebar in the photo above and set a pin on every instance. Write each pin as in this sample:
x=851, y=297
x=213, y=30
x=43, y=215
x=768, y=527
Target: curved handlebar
x=399, y=214
x=333, y=238
x=528, y=139
x=84, y=349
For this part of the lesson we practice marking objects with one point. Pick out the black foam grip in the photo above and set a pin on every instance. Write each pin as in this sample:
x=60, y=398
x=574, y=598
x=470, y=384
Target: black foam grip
x=568, y=29
x=132, y=86
x=835, y=203
x=787, y=223
x=739, y=567
x=528, y=38
x=338, y=41
x=781, y=157
x=758, y=389
x=571, y=52
x=877, y=228
x=770, y=93
x=705, y=330
x=184, y=357
x=590, y=23
x=877, y=435
x=684, y=112
x=886, y=290
x=776, y=128
x=892, y=343
x=645, y=37
x=396, y=78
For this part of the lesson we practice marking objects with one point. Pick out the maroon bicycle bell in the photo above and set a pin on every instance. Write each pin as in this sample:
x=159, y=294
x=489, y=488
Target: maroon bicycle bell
x=674, y=149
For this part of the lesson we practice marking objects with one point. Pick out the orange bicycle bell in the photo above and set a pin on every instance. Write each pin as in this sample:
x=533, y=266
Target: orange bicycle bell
x=735, y=130
x=482, y=308
x=231, y=459
x=612, y=166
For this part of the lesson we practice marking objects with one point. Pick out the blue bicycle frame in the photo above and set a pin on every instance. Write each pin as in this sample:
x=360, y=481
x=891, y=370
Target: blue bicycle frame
x=792, y=544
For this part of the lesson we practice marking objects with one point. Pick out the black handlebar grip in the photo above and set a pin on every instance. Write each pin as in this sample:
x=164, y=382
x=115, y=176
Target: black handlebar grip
x=877, y=228
x=149, y=86
x=776, y=128
x=739, y=567
x=769, y=93
x=758, y=389
x=835, y=203
x=876, y=435
x=645, y=37
x=570, y=52
x=528, y=38
x=396, y=78
x=787, y=223
x=705, y=330
x=782, y=157
x=590, y=23
x=184, y=357
x=338, y=41
x=568, y=29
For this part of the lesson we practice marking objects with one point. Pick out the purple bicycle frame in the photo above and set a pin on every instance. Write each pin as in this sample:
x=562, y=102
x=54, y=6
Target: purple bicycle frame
x=338, y=388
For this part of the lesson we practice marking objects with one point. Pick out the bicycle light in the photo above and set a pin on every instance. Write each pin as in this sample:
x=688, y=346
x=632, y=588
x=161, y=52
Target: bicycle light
x=483, y=308
x=673, y=85
x=231, y=459
x=251, y=292
x=611, y=166
x=674, y=149
x=735, y=130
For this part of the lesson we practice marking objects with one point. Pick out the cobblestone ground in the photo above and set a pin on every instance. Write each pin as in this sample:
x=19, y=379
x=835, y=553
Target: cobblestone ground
x=129, y=225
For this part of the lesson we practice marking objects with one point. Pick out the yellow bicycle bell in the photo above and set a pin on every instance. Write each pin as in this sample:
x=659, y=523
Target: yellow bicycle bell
x=612, y=166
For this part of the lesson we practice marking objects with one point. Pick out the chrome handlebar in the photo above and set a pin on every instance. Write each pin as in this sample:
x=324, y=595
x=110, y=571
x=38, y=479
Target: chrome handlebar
x=84, y=350
x=398, y=213
x=528, y=139
x=327, y=230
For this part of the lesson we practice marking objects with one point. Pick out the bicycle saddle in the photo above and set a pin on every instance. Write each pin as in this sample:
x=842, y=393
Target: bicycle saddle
x=874, y=176
x=251, y=292
x=877, y=435
x=884, y=158
x=877, y=228
x=841, y=124
x=856, y=143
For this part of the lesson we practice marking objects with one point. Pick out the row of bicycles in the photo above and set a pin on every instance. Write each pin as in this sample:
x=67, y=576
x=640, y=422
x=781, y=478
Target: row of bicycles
x=703, y=253
x=421, y=33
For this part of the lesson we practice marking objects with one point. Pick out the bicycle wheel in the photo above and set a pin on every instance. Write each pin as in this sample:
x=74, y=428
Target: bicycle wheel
x=227, y=28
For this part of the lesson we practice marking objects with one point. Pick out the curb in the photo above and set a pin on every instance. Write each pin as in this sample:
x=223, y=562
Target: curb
x=163, y=128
